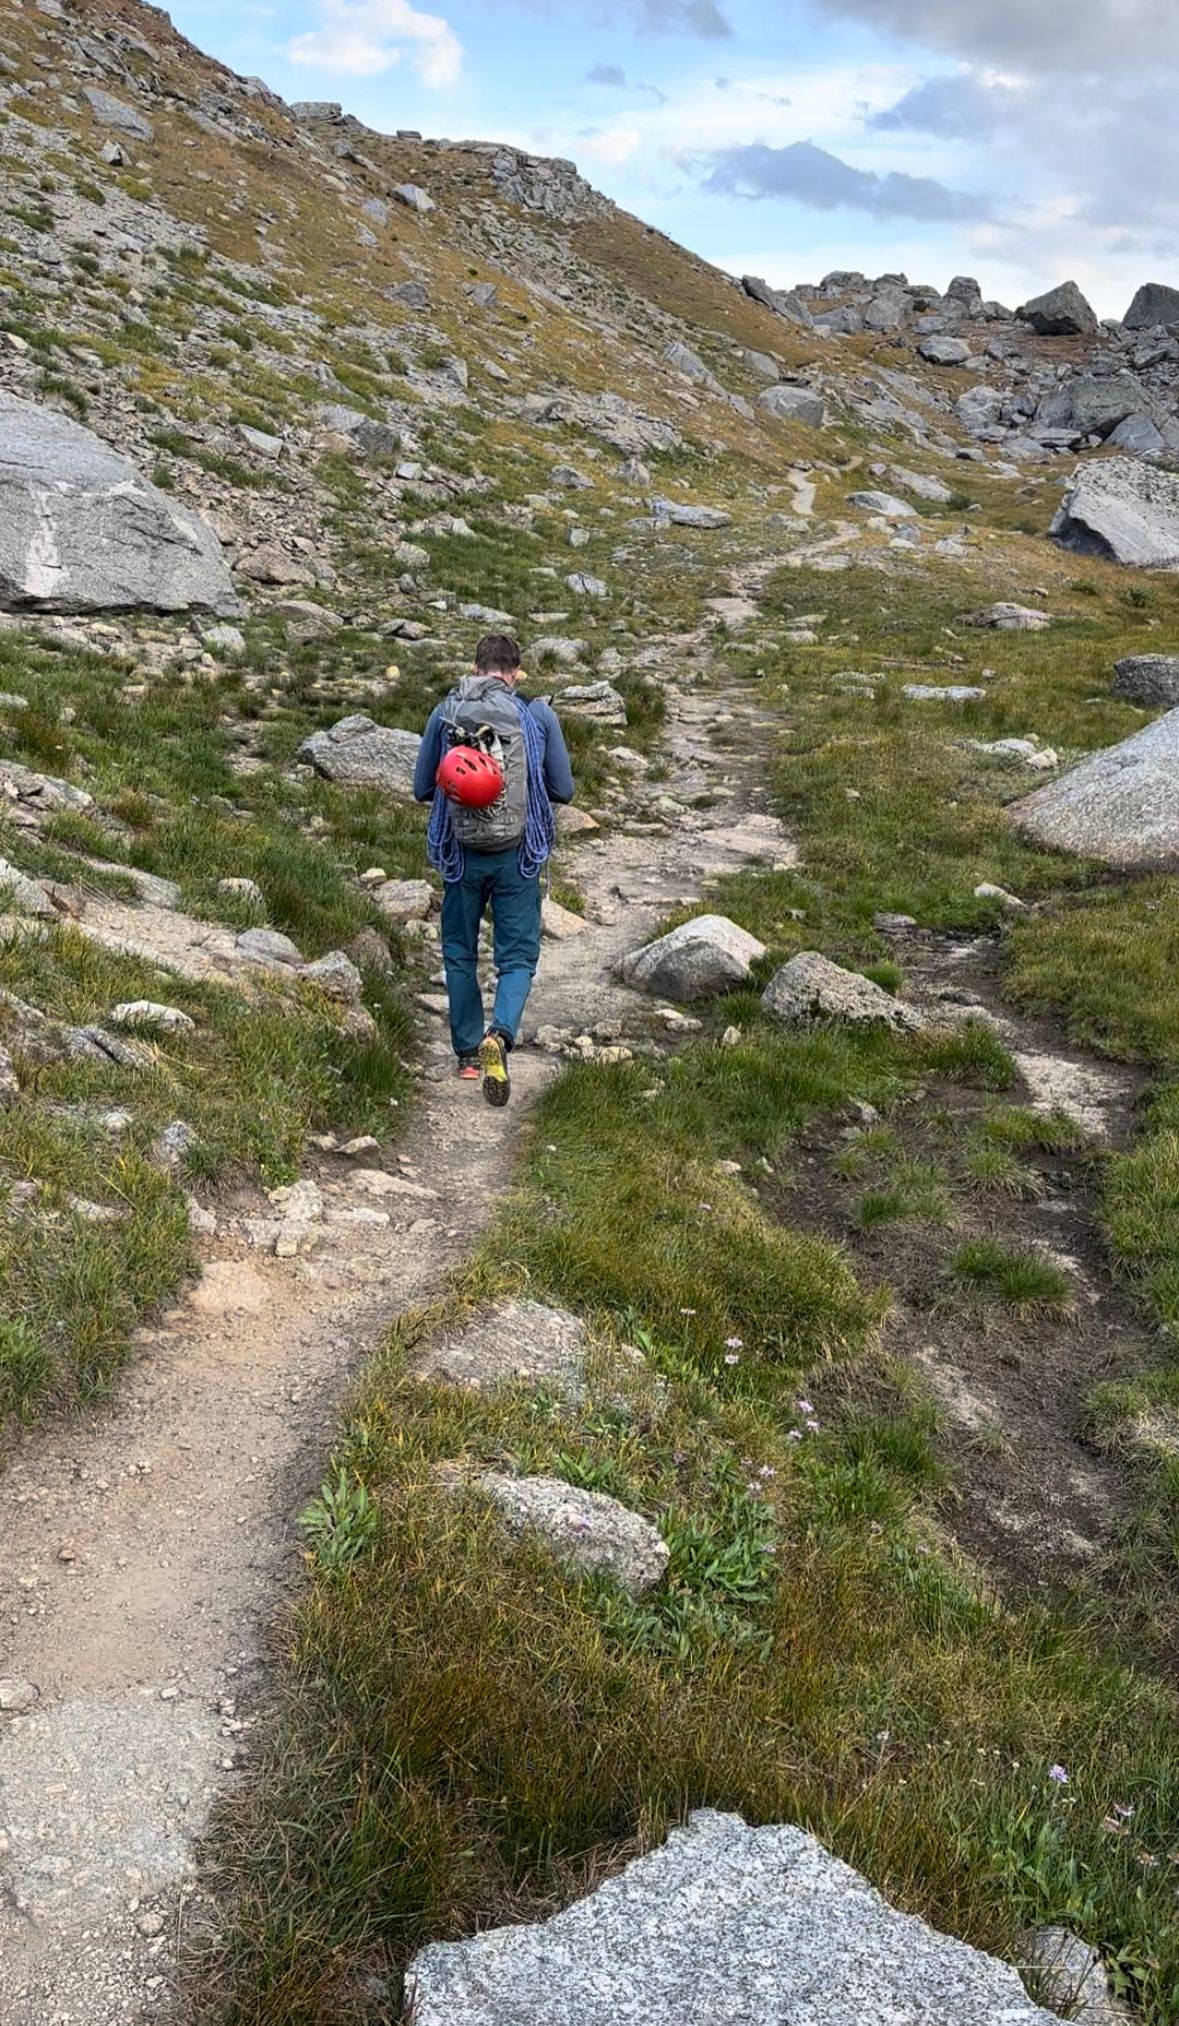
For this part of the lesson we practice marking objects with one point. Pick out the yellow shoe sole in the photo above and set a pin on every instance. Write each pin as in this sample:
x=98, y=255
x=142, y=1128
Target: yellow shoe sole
x=493, y=1060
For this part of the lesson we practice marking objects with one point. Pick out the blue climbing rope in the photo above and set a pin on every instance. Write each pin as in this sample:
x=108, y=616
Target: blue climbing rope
x=535, y=848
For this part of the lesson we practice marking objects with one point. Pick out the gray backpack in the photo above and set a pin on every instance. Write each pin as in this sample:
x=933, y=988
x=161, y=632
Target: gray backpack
x=484, y=712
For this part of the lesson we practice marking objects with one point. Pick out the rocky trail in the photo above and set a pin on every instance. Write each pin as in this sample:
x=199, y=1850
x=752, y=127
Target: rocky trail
x=149, y=1545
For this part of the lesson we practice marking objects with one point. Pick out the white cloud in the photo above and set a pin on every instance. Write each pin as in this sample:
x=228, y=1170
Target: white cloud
x=362, y=38
x=611, y=146
x=1047, y=35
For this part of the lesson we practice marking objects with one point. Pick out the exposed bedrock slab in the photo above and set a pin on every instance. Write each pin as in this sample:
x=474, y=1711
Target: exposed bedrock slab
x=725, y=1925
x=81, y=530
x=518, y=1341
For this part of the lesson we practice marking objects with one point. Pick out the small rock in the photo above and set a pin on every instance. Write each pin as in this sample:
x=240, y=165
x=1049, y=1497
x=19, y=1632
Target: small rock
x=404, y=900
x=145, y=1013
x=560, y=923
x=170, y=1147
x=885, y=504
x=269, y=947
x=1151, y=680
x=201, y=1222
x=21, y=895
x=598, y=701
x=297, y=1202
x=414, y=198
x=336, y=977
x=707, y=955
x=1007, y=618
x=17, y=1697
x=242, y=889
x=811, y=987
x=985, y=890
x=954, y=692
x=1073, y=1979
x=682, y=514
x=595, y=1533
x=224, y=639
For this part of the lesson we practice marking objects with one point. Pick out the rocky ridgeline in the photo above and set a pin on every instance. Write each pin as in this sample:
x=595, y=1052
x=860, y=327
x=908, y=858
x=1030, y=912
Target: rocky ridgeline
x=1049, y=377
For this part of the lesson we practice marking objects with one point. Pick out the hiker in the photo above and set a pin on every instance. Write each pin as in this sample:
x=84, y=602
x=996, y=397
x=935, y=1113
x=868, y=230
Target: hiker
x=492, y=765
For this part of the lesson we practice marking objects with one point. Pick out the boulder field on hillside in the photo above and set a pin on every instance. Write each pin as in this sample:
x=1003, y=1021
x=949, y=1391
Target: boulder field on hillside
x=1049, y=378
x=81, y=530
x=723, y=1922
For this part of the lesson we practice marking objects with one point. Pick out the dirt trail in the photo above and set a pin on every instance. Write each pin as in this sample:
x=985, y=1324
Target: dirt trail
x=147, y=1547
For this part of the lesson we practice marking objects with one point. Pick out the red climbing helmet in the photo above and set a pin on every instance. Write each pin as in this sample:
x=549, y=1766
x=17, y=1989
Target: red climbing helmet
x=470, y=776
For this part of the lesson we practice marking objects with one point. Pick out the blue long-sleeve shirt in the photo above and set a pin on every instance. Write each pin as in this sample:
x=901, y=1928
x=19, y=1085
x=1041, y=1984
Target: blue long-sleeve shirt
x=558, y=774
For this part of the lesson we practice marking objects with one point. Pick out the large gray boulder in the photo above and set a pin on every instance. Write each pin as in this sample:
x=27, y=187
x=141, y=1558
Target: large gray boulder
x=782, y=301
x=590, y=1531
x=1138, y=434
x=682, y=514
x=1060, y=313
x=690, y=364
x=699, y=959
x=359, y=432
x=887, y=310
x=979, y=409
x=1124, y=510
x=1153, y=304
x=884, y=504
x=726, y=1924
x=110, y=111
x=811, y=987
x=81, y=530
x=1101, y=401
x=1149, y=679
x=1121, y=805
x=794, y=404
x=600, y=702
x=360, y=754
x=944, y=351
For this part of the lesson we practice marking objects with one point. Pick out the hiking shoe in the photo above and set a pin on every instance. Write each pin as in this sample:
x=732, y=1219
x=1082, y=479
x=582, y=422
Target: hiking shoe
x=493, y=1058
x=468, y=1067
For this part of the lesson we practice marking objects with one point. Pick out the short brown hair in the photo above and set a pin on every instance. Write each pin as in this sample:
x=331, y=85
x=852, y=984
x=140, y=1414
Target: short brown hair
x=497, y=654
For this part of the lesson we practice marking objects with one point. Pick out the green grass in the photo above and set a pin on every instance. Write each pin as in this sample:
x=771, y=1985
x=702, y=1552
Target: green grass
x=995, y=1171
x=914, y=1191
x=258, y=1074
x=1021, y=1279
x=252, y=1080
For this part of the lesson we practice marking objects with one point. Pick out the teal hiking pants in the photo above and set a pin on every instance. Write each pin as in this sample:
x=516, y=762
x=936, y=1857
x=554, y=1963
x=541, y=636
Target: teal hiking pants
x=491, y=879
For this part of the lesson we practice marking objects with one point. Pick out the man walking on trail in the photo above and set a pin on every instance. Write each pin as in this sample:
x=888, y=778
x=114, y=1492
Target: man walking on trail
x=492, y=765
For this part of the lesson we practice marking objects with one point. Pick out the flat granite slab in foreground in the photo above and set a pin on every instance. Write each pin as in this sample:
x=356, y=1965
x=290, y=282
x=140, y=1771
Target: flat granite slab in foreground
x=723, y=1926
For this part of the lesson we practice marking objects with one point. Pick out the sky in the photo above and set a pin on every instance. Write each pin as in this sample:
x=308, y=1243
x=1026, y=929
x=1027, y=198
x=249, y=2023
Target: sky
x=1026, y=142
